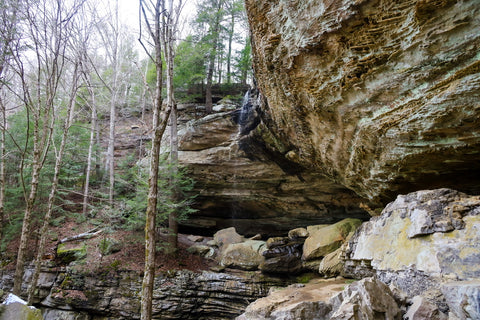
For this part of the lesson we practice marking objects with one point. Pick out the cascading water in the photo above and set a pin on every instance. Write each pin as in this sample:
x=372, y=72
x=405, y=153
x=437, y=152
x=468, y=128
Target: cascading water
x=248, y=117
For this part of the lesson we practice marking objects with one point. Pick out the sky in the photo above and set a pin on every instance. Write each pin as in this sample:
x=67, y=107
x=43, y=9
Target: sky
x=129, y=11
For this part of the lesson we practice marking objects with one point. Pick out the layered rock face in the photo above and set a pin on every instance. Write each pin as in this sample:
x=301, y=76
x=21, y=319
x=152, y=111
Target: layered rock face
x=253, y=193
x=381, y=96
x=64, y=294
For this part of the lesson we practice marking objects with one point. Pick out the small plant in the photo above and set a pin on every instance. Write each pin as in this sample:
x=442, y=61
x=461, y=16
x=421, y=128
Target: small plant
x=305, y=278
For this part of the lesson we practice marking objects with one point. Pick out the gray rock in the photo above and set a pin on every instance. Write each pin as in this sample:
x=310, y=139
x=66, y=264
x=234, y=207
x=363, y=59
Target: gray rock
x=283, y=258
x=227, y=236
x=307, y=302
x=14, y=308
x=368, y=298
x=463, y=298
x=245, y=255
x=202, y=250
x=195, y=238
x=422, y=309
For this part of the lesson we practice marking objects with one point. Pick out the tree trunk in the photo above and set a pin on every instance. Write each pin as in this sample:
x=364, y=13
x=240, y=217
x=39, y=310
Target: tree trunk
x=159, y=124
x=230, y=41
x=212, y=57
x=2, y=168
x=93, y=126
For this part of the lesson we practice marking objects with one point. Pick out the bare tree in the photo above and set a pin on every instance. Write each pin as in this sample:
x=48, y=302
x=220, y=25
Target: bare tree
x=48, y=24
x=170, y=24
x=150, y=16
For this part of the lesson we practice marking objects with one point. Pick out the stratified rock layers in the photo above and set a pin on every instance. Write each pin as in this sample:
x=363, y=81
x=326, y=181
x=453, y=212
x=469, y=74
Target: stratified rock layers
x=253, y=195
x=382, y=97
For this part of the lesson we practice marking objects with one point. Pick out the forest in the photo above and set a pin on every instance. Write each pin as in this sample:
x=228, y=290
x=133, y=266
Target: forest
x=69, y=72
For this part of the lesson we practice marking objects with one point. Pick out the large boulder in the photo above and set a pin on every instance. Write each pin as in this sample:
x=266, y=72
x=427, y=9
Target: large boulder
x=382, y=97
x=225, y=237
x=420, y=241
x=245, y=255
x=14, y=308
x=368, y=298
x=297, y=301
x=326, y=239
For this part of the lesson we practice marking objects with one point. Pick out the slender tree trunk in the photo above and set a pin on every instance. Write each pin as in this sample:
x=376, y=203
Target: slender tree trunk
x=229, y=52
x=113, y=106
x=93, y=126
x=212, y=58
x=159, y=124
x=53, y=190
x=2, y=168
x=173, y=217
x=111, y=151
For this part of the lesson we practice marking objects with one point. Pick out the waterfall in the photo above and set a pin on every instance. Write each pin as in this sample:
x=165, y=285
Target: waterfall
x=248, y=117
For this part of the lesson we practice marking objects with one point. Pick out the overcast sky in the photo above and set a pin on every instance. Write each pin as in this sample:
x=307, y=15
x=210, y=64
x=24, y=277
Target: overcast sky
x=129, y=11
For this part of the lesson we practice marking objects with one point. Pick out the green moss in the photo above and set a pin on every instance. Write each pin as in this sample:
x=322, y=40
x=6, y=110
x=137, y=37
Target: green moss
x=305, y=278
x=71, y=254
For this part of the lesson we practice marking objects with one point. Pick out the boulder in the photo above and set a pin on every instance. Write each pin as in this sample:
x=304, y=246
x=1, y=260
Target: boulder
x=69, y=254
x=227, y=236
x=323, y=299
x=368, y=298
x=463, y=299
x=332, y=264
x=298, y=301
x=422, y=309
x=14, y=308
x=246, y=255
x=195, y=238
x=414, y=251
x=202, y=250
x=325, y=240
x=276, y=242
x=284, y=257
x=297, y=233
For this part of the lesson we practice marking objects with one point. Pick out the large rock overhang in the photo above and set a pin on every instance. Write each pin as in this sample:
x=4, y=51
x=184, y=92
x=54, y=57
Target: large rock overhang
x=382, y=97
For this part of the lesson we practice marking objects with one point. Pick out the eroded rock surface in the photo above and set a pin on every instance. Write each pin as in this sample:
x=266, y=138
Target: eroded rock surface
x=255, y=195
x=418, y=264
x=382, y=97
x=327, y=299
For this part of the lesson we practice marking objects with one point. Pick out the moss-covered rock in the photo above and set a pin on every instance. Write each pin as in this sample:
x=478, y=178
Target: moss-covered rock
x=325, y=240
x=67, y=255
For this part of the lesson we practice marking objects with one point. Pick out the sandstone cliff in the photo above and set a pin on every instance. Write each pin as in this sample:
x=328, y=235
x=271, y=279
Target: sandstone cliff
x=380, y=96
